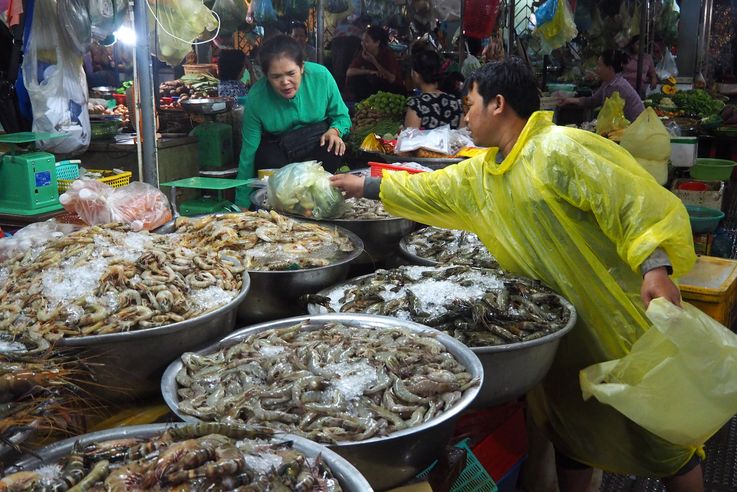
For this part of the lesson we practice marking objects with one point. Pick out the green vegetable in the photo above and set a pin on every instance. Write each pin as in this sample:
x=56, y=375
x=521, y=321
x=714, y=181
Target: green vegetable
x=697, y=102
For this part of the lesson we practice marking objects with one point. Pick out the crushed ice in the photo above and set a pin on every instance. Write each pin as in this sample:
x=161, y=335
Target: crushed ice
x=352, y=379
x=8, y=346
x=271, y=350
x=264, y=462
x=210, y=297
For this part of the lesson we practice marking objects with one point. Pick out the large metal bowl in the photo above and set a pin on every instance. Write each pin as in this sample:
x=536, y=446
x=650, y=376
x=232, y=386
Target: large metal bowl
x=349, y=478
x=385, y=461
x=380, y=236
x=276, y=294
x=128, y=365
x=208, y=105
x=510, y=370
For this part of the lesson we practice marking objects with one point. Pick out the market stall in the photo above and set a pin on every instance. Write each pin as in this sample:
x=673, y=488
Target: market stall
x=386, y=353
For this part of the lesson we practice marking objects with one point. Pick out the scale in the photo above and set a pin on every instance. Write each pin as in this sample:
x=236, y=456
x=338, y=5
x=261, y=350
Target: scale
x=214, y=139
x=28, y=178
x=207, y=204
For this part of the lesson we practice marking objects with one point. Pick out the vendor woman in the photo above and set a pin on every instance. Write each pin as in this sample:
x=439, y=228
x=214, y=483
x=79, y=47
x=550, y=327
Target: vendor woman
x=375, y=68
x=609, y=68
x=293, y=114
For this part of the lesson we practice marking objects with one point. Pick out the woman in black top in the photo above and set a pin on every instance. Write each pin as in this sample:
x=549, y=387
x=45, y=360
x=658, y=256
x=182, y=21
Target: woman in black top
x=433, y=107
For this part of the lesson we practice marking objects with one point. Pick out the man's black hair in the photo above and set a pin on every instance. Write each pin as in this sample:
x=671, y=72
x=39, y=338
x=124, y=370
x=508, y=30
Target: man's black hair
x=281, y=46
x=230, y=64
x=510, y=78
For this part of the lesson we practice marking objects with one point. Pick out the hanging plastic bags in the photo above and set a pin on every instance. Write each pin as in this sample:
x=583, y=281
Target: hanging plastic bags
x=303, y=188
x=648, y=141
x=611, y=116
x=180, y=22
x=337, y=6
x=678, y=381
x=264, y=12
x=559, y=30
x=482, y=20
x=667, y=67
x=56, y=84
x=232, y=14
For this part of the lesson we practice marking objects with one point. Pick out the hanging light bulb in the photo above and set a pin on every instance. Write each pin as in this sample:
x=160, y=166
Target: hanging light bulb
x=126, y=35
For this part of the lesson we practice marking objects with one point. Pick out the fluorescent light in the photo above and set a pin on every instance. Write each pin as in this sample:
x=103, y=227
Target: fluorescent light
x=126, y=35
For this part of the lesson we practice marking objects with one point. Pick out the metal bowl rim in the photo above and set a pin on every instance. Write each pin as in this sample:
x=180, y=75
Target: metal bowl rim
x=315, y=309
x=473, y=365
x=421, y=261
x=337, y=464
x=420, y=160
x=301, y=217
x=163, y=329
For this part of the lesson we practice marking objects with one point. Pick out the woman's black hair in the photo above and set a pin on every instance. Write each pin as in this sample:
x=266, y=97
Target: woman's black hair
x=615, y=58
x=230, y=64
x=378, y=34
x=449, y=83
x=298, y=25
x=280, y=46
x=427, y=64
x=510, y=78
x=633, y=40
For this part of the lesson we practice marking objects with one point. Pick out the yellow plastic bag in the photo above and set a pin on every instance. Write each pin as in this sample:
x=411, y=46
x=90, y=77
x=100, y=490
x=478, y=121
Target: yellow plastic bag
x=558, y=31
x=649, y=143
x=611, y=117
x=680, y=379
x=577, y=212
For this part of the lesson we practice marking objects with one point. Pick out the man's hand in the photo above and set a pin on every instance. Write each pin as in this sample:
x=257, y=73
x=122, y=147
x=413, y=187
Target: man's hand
x=349, y=184
x=656, y=283
x=335, y=143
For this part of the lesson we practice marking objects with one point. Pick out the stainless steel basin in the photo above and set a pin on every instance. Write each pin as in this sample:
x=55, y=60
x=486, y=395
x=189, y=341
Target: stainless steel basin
x=385, y=461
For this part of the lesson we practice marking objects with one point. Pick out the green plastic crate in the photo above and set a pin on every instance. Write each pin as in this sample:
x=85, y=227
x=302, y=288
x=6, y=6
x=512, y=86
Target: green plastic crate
x=104, y=129
x=67, y=171
x=473, y=478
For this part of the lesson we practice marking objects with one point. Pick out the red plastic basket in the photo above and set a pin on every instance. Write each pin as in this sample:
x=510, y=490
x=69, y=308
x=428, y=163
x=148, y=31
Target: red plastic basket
x=378, y=168
x=505, y=447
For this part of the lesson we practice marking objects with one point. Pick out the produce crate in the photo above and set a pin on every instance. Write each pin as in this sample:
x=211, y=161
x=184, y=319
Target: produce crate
x=711, y=286
x=174, y=121
x=473, y=478
x=210, y=68
x=710, y=197
x=108, y=177
x=104, y=129
x=378, y=168
x=504, y=450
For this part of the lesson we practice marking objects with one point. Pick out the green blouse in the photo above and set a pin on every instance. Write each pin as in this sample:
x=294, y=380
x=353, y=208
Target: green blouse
x=317, y=99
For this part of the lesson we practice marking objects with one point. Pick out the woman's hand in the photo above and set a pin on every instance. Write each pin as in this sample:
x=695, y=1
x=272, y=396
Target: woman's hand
x=369, y=57
x=350, y=185
x=656, y=283
x=335, y=143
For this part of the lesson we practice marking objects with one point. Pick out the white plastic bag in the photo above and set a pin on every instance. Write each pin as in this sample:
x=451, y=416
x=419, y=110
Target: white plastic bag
x=304, y=188
x=679, y=379
x=56, y=84
x=667, y=66
x=442, y=140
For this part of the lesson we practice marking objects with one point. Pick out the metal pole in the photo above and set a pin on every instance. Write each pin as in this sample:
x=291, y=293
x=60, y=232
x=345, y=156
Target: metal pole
x=707, y=7
x=145, y=93
x=511, y=28
x=462, y=36
x=641, y=49
x=320, y=14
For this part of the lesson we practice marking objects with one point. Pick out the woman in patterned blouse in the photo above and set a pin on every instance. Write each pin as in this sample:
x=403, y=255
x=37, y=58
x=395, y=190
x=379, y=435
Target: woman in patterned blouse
x=433, y=107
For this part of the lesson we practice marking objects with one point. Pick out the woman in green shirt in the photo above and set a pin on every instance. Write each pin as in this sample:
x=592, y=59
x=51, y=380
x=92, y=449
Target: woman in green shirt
x=295, y=113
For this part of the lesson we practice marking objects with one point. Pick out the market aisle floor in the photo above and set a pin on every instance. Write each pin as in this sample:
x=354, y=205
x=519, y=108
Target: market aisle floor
x=720, y=467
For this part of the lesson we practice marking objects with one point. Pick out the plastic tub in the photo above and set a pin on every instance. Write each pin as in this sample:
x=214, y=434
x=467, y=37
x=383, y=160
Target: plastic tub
x=693, y=186
x=704, y=219
x=712, y=169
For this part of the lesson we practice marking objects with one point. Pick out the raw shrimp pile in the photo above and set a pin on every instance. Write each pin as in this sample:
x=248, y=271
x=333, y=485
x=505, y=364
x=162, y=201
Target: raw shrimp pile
x=330, y=383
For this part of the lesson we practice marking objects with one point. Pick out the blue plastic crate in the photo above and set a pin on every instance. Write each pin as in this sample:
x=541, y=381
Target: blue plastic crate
x=67, y=171
x=473, y=478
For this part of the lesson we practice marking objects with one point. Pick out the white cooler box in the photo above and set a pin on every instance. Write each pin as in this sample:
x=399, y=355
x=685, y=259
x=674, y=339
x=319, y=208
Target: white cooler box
x=683, y=151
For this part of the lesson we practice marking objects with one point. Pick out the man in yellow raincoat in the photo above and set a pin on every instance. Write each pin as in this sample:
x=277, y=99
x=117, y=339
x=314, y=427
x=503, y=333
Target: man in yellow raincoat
x=578, y=212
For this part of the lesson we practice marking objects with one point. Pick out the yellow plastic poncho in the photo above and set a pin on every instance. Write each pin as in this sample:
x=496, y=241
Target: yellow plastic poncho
x=579, y=213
